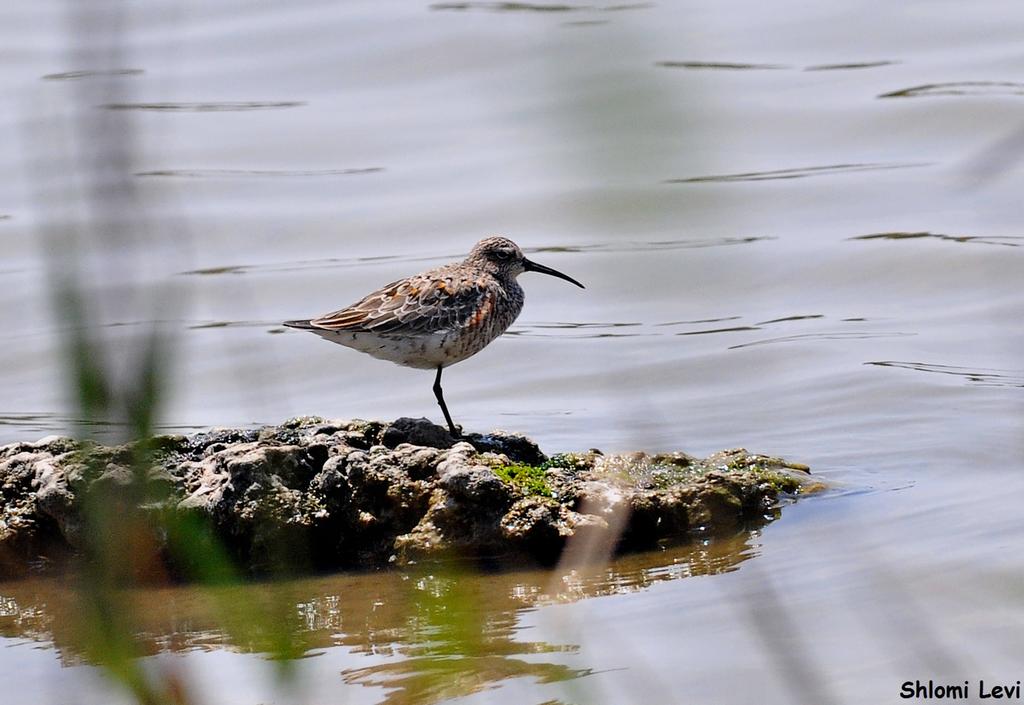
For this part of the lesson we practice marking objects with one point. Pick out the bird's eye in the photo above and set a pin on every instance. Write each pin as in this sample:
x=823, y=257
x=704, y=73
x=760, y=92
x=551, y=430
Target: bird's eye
x=503, y=254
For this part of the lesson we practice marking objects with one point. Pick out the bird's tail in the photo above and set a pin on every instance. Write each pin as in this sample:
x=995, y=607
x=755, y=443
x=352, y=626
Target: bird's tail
x=301, y=325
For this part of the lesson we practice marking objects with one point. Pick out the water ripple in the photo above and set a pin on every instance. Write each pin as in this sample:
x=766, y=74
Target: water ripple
x=836, y=335
x=1004, y=240
x=719, y=65
x=203, y=325
x=531, y=330
x=537, y=7
x=851, y=66
x=52, y=423
x=611, y=329
x=37, y=422
x=784, y=319
x=508, y=7
x=980, y=377
x=798, y=173
x=651, y=245
x=577, y=329
x=343, y=262
x=752, y=66
x=258, y=173
x=86, y=73
x=211, y=107
x=959, y=88
x=709, y=331
x=301, y=265
x=698, y=321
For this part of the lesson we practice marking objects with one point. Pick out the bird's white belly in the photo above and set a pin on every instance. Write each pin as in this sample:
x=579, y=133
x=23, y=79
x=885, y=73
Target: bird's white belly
x=428, y=351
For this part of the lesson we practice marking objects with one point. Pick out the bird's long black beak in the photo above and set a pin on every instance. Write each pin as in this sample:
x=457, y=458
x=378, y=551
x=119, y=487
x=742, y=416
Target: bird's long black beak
x=534, y=267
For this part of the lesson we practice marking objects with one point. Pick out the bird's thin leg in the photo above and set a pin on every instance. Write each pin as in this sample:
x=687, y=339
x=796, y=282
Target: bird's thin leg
x=444, y=408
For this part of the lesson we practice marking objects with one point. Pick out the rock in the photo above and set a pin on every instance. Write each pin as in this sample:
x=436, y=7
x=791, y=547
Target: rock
x=328, y=494
x=540, y=527
x=515, y=447
x=418, y=432
x=464, y=512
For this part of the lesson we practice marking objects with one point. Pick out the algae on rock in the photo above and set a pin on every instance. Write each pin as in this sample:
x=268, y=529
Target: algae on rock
x=325, y=494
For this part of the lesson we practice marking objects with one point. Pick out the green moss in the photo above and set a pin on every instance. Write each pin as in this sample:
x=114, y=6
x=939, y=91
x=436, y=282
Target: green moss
x=743, y=463
x=529, y=478
x=780, y=482
x=567, y=461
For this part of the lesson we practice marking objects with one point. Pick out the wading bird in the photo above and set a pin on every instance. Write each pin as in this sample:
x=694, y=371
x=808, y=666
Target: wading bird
x=439, y=317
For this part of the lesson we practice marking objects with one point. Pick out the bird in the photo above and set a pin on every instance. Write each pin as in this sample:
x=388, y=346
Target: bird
x=439, y=317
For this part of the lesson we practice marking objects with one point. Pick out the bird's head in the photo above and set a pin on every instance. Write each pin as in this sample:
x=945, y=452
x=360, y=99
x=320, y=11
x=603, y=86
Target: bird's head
x=503, y=259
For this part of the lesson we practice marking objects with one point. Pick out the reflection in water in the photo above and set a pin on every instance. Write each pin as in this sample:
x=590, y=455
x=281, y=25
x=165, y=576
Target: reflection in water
x=798, y=173
x=75, y=75
x=1007, y=240
x=213, y=107
x=441, y=634
x=959, y=88
x=242, y=173
x=453, y=648
x=981, y=377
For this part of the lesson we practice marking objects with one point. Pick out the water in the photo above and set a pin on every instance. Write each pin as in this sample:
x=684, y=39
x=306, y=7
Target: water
x=799, y=228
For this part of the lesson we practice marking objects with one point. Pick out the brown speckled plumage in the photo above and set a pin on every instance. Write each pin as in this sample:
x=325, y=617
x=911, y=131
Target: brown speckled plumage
x=439, y=317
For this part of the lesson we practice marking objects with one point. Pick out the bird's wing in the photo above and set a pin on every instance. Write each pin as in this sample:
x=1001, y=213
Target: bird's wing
x=426, y=303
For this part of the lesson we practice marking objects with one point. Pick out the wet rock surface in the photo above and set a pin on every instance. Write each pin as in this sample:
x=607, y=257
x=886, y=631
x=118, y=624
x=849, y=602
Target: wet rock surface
x=323, y=494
